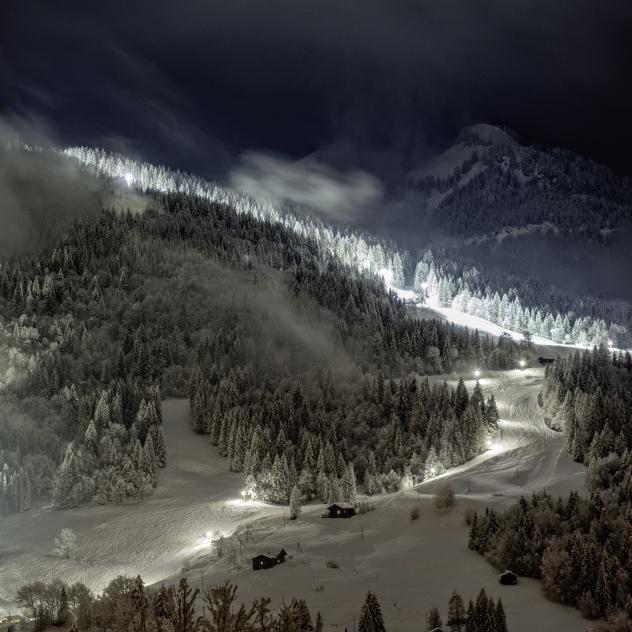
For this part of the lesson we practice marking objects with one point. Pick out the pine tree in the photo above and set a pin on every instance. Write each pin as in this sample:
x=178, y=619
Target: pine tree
x=434, y=619
x=182, y=615
x=318, y=627
x=348, y=486
x=500, y=618
x=295, y=503
x=456, y=613
x=280, y=476
x=302, y=618
x=371, y=619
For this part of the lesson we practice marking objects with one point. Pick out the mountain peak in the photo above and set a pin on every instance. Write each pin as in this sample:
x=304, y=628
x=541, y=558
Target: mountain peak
x=486, y=134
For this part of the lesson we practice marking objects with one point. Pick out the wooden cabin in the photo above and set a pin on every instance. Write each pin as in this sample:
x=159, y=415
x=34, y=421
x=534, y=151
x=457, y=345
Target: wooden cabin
x=544, y=361
x=261, y=562
x=338, y=511
x=508, y=578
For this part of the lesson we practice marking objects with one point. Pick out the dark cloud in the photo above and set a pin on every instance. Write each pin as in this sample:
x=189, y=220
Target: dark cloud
x=198, y=82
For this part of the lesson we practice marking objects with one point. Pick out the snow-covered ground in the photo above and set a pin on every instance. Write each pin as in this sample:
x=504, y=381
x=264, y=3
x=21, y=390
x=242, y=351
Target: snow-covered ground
x=528, y=456
x=476, y=322
x=154, y=538
x=412, y=566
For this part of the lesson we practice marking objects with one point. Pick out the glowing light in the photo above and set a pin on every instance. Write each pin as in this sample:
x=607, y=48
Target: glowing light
x=432, y=471
x=209, y=535
x=523, y=363
x=477, y=373
x=129, y=178
x=387, y=275
x=610, y=343
x=248, y=494
x=490, y=443
x=424, y=286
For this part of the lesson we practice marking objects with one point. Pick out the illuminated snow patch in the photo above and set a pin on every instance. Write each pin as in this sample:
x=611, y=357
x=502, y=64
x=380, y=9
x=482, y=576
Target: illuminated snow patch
x=387, y=275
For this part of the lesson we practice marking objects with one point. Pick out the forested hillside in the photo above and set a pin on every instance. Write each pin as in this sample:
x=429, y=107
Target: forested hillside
x=582, y=549
x=547, y=227
x=585, y=320
x=488, y=181
x=288, y=343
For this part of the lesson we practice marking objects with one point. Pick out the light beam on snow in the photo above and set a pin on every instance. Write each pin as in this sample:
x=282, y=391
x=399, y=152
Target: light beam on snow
x=387, y=275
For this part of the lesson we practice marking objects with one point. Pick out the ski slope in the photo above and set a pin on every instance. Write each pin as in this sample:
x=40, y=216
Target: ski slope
x=196, y=496
x=410, y=566
x=527, y=457
x=413, y=566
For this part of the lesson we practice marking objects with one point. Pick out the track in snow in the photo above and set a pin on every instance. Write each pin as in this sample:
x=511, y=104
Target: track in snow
x=529, y=456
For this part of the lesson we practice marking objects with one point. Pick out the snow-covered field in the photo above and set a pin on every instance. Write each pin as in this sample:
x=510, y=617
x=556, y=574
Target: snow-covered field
x=196, y=495
x=476, y=322
x=411, y=566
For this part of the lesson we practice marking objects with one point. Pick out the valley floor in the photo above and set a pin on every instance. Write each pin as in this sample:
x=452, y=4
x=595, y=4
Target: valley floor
x=412, y=566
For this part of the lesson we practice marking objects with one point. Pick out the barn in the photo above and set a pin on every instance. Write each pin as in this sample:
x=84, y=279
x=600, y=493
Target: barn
x=260, y=562
x=508, y=578
x=544, y=361
x=338, y=511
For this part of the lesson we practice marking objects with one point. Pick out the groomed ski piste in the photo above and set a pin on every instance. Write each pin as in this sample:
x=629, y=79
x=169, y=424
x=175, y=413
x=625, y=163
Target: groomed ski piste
x=411, y=565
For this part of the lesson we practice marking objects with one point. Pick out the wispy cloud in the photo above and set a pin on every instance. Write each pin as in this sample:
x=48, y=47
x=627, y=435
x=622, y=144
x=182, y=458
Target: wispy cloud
x=340, y=195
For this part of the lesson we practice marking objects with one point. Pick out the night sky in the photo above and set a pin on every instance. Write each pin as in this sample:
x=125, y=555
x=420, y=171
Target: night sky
x=195, y=84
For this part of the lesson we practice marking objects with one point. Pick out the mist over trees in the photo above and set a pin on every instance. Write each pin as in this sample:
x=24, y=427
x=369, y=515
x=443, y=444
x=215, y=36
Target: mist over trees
x=396, y=266
x=130, y=308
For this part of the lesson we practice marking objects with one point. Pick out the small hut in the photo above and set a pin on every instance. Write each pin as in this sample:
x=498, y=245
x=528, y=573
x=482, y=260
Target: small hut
x=508, y=578
x=544, y=361
x=338, y=511
x=261, y=562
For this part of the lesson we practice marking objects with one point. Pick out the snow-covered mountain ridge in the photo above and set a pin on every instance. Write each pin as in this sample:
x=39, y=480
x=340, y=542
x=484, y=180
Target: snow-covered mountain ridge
x=364, y=252
x=487, y=180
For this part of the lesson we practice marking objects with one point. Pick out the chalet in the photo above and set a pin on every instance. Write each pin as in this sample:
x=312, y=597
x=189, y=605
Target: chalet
x=544, y=361
x=266, y=561
x=338, y=511
x=508, y=578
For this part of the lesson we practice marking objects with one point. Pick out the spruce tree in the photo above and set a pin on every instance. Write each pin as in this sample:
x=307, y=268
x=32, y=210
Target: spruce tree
x=371, y=619
x=500, y=618
x=456, y=613
x=348, y=486
x=434, y=619
x=295, y=503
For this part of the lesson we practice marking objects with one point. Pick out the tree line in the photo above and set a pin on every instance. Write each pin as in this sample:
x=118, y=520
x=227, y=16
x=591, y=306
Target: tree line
x=124, y=308
x=127, y=604
x=580, y=548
